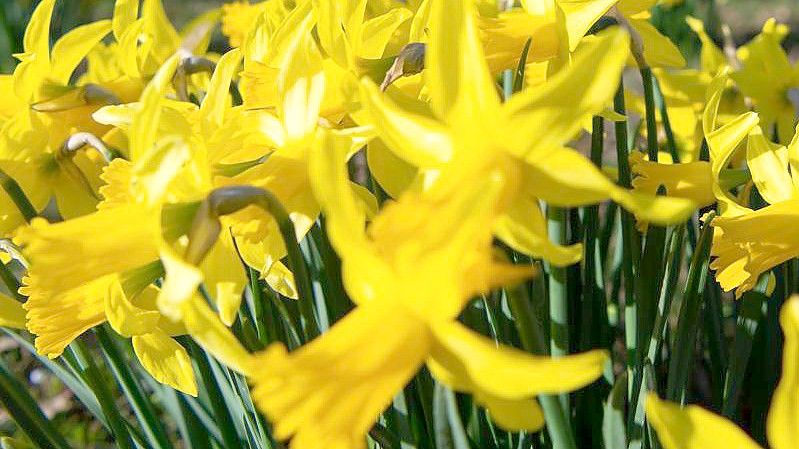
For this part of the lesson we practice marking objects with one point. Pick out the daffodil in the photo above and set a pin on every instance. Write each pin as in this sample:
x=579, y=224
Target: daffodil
x=692, y=180
x=768, y=77
x=289, y=132
x=684, y=94
x=747, y=242
x=239, y=17
x=693, y=427
x=48, y=111
x=412, y=270
x=465, y=119
x=556, y=27
x=124, y=247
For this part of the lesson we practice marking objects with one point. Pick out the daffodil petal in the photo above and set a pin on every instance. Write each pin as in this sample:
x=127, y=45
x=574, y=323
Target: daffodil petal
x=70, y=49
x=513, y=415
x=581, y=15
x=12, y=314
x=769, y=171
x=783, y=416
x=125, y=318
x=457, y=75
x=166, y=360
x=549, y=116
x=332, y=390
x=566, y=178
x=659, y=50
x=418, y=140
x=523, y=228
x=510, y=373
x=125, y=13
x=207, y=330
x=216, y=101
x=392, y=173
x=693, y=427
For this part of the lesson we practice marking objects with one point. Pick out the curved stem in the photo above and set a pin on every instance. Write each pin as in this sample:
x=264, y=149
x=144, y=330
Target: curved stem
x=206, y=227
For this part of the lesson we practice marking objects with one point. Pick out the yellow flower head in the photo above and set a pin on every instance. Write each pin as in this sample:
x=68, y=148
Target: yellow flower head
x=411, y=272
x=466, y=121
x=238, y=18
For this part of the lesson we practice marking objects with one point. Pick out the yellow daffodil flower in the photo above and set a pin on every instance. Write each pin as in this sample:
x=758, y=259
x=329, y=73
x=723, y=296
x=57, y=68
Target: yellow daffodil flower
x=467, y=118
x=239, y=18
x=48, y=111
x=767, y=77
x=123, y=247
x=412, y=271
x=692, y=180
x=696, y=428
x=556, y=28
x=746, y=242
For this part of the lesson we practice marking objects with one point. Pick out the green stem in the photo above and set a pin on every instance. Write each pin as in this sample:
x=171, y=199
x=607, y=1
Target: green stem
x=651, y=118
x=145, y=413
x=558, y=293
x=260, y=316
x=11, y=282
x=688, y=321
x=670, y=275
x=224, y=420
x=750, y=313
x=94, y=378
x=449, y=432
x=629, y=253
x=671, y=141
x=532, y=337
x=19, y=198
x=26, y=413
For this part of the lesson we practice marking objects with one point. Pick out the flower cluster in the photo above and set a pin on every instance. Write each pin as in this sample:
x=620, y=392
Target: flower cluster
x=158, y=188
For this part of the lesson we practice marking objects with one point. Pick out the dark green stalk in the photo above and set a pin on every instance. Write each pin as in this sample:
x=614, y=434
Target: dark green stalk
x=10, y=281
x=688, y=322
x=750, y=312
x=18, y=196
x=670, y=275
x=449, y=430
x=262, y=319
x=671, y=141
x=24, y=410
x=558, y=293
x=211, y=389
x=594, y=328
x=94, y=378
x=192, y=433
x=716, y=347
x=629, y=256
x=593, y=293
x=648, y=282
x=533, y=341
x=651, y=118
x=383, y=437
x=145, y=413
